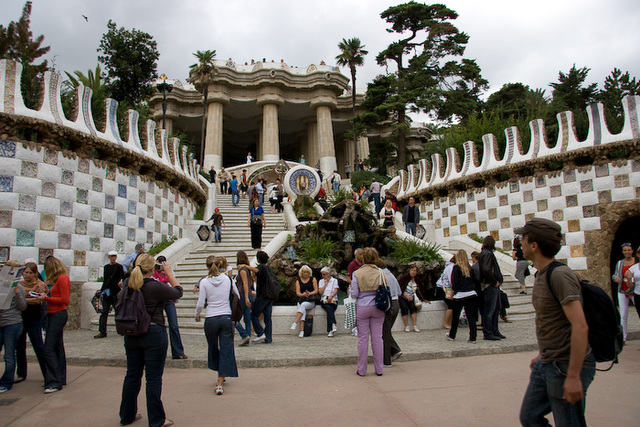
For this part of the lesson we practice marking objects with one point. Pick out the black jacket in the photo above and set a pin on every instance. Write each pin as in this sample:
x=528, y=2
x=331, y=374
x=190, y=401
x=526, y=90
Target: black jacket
x=489, y=270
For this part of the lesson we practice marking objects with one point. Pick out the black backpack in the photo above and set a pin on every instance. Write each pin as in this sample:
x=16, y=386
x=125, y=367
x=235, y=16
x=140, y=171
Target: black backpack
x=606, y=337
x=132, y=318
x=273, y=287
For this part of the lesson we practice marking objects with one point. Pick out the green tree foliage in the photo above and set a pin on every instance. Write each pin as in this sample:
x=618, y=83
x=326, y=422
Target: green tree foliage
x=571, y=94
x=352, y=54
x=427, y=76
x=17, y=43
x=201, y=75
x=130, y=59
x=616, y=86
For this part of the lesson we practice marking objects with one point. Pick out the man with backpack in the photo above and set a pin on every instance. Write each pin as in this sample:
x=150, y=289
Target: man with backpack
x=565, y=365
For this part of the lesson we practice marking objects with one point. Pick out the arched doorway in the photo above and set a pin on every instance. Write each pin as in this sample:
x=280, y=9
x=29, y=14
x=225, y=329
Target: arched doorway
x=628, y=232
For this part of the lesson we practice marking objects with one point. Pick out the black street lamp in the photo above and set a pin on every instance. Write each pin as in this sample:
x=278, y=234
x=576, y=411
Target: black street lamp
x=165, y=86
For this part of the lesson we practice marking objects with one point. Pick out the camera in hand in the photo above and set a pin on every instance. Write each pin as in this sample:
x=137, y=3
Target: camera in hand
x=159, y=267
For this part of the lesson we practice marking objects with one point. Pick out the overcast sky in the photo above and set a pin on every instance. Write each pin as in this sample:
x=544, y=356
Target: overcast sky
x=512, y=41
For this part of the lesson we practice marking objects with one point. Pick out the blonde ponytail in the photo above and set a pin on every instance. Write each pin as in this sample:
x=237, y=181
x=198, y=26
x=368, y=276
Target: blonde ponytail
x=144, y=264
x=212, y=266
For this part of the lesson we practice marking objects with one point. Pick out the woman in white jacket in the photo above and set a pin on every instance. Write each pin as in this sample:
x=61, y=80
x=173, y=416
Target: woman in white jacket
x=215, y=290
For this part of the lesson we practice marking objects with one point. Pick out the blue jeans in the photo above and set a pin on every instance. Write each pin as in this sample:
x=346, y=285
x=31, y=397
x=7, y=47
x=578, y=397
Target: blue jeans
x=34, y=330
x=490, y=311
x=144, y=353
x=331, y=314
x=217, y=232
x=177, y=349
x=376, y=201
x=246, y=314
x=335, y=186
x=56, y=359
x=262, y=305
x=221, y=355
x=235, y=197
x=544, y=395
x=9, y=340
x=261, y=198
x=411, y=228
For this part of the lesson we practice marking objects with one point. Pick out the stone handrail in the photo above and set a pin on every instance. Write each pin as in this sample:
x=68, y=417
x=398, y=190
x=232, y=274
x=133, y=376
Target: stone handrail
x=439, y=176
x=173, y=165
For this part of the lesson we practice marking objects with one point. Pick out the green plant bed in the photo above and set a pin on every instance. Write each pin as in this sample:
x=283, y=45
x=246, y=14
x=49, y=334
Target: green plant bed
x=199, y=213
x=160, y=246
x=408, y=250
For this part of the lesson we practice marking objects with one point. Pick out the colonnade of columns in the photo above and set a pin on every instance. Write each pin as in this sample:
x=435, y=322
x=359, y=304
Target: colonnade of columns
x=319, y=144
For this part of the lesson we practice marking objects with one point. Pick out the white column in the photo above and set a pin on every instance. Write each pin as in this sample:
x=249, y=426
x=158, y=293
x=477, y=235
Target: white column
x=326, y=149
x=213, y=142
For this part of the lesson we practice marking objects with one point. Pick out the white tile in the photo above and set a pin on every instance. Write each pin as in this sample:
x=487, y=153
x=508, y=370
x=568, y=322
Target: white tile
x=603, y=183
x=20, y=253
x=79, y=273
x=8, y=236
x=65, y=256
x=95, y=229
x=26, y=185
x=587, y=224
x=66, y=192
x=65, y=224
x=26, y=220
x=574, y=238
x=9, y=201
x=10, y=166
x=46, y=239
x=110, y=187
x=83, y=180
x=81, y=211
x=80, y=242
x=47, y=172
x=26, y=153
x=579, y=263
x=586, y=199
x=96, y=199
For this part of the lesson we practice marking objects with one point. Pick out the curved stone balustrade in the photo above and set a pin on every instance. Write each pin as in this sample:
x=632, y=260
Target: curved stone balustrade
x=430, y=178
x=171, y=166
x=70, y=190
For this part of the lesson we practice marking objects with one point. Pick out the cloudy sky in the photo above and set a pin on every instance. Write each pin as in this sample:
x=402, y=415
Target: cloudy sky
x=512, y=41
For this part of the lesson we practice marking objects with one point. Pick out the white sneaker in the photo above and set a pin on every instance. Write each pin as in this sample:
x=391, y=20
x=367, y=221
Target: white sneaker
x=3, y=390
x=330, y=334
x=334, y=328
x=294, y=326
x=407, y=329
x=415, y=328
x=261, y=338
x=50, y=390
x=301, y=334
x=245, y=341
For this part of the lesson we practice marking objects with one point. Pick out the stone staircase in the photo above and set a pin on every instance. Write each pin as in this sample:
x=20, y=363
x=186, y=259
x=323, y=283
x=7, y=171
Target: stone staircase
x=236, y=236
x=521, y=306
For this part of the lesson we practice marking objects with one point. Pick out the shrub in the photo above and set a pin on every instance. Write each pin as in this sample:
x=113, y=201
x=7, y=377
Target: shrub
x=366, y=177
x=342, y=195
x=304, y=210
x=409, y=250
x=198, y=215
x=318, y=249
x=160, y=246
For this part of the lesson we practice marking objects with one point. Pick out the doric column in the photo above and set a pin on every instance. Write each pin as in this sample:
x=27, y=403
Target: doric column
x=270, y=143
x=326, y=148
x=312, y=142
x=213, y=142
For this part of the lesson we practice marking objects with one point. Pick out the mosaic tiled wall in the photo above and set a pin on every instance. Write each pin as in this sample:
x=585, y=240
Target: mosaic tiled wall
x=570, y=199
x=78, y=211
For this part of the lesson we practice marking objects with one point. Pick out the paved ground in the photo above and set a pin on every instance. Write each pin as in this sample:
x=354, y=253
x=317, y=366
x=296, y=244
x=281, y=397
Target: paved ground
x=312, y=381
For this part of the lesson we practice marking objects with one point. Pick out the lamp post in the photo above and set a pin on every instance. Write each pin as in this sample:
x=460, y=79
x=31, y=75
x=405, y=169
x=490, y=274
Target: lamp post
x=165, y=86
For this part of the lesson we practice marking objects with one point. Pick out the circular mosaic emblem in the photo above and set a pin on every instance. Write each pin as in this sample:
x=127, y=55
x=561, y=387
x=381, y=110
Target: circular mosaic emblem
x=302, y=181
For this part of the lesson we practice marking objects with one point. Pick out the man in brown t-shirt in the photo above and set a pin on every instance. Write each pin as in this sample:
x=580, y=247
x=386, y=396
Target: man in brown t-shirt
x=564, y=366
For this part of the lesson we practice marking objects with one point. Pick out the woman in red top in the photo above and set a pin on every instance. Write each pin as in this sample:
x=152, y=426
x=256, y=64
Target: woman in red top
x=619, y=277
x=56, y=361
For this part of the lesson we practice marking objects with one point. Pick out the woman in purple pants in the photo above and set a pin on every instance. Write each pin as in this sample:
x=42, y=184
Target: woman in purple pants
x=369, y=319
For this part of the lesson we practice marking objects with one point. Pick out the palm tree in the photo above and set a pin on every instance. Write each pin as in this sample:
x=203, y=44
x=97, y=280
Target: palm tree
x=94, y=81
x=352, y=56
x=201, y=75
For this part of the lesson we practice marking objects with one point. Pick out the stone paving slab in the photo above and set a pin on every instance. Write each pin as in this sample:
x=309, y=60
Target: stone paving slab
x=289, y=350
x=481, y=391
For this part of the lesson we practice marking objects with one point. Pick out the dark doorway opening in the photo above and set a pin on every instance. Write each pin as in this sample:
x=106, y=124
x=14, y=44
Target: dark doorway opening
x=628, y=232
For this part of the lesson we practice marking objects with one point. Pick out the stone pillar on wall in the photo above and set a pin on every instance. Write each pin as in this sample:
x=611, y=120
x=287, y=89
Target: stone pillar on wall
x=326, y=146
x=213, y=142
x=270, y=142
